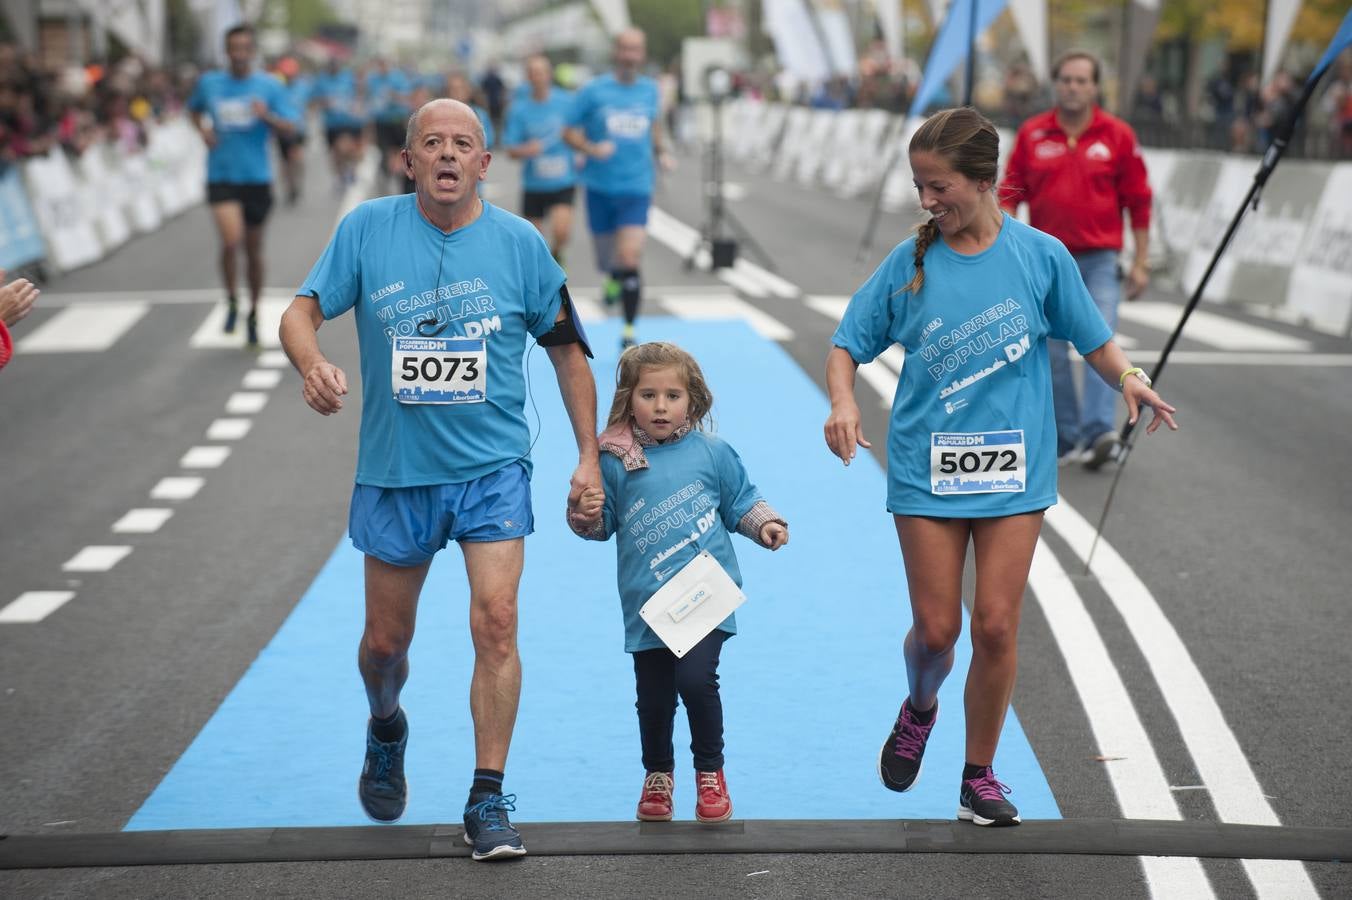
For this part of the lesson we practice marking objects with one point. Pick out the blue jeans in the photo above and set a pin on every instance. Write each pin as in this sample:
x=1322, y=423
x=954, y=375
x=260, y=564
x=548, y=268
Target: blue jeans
x=1080, y=420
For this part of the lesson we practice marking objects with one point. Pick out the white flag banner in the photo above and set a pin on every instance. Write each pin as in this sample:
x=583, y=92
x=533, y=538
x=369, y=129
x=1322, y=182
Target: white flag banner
x=614, y=14
x=889, y=22
x=1030, y=19
x=835, y=31
x=800, y=52
x=1281, y=15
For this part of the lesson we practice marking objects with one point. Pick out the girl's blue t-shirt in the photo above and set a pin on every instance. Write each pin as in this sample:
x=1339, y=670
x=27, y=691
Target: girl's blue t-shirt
x=690, y=498
x=553, y=169
x=977, y=375
x=493, y=280
x=241, y=152
x=607, y=109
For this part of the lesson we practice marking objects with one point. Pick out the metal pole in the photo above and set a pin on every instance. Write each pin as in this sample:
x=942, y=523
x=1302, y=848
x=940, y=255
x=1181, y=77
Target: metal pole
x=971, y=51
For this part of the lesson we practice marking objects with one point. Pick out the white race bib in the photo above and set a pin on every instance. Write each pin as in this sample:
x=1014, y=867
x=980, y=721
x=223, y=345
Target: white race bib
x=234, y=114
x=979, y=462
x=552, y=167
x=439, y=370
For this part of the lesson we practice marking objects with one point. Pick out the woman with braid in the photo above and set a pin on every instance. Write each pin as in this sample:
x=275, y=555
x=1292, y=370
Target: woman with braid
x=971, y=449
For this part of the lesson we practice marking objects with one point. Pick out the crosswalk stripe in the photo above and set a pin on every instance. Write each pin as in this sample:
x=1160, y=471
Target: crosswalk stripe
x=273, y=359
x=84, y=328
x=729, y=307
x=204, y=457
x=261, y=379
x=228, y=429
x=1209, y=328
x=178, y=487
x=34, y=606
x=244, y=403
x=96, y=559
x=142, y=521
x=211, y=333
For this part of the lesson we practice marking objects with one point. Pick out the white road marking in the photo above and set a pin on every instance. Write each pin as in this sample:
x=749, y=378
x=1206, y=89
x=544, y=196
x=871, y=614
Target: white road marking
x=83, y=328
x=1208, y=328
x=744, y=275
x=228, y=429
x=204, y=457
x=34, y=606
x=244, y=403
x=1222, y=765
x=729, y=307
x=96, y=559
x=142, y=521
x=179, y=487
x=261, y=379
x=211, y=332
x=1135, y=772
x=273, y=359
x=154, y=298
x=1217, y=358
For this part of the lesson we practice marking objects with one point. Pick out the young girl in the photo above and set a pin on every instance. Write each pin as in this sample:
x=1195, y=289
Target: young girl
x=672, y=490
x=971, y=451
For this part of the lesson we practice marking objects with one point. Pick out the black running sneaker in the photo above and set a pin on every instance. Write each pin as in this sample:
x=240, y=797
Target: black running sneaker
x=899, y=763
x=488, y=830
x=231, y=316
x=382, y=788
x=981, y=801
x=251, y=323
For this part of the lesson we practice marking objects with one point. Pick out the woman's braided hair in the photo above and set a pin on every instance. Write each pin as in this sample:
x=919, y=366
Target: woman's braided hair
x=968, y=142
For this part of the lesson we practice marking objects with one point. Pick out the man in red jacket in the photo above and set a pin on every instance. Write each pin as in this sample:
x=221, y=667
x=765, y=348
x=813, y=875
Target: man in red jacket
x=1078, y=167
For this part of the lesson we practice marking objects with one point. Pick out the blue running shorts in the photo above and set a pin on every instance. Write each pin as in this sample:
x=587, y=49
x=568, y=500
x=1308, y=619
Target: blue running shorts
x=407, y=526
x=608, y=212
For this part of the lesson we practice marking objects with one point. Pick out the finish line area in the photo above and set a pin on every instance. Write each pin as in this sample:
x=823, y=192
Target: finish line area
x=810, y=687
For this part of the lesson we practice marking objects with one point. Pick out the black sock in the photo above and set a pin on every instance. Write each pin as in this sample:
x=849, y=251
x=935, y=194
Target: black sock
x=631, y=288
x=486, y=781
x=924, y=718
x=970, y=771
x=391, y=729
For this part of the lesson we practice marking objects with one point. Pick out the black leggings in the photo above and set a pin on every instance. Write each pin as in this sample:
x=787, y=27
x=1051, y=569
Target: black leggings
x=660, y=677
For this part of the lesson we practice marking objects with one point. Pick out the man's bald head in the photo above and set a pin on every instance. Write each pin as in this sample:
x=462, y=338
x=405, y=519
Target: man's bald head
x=415, y=120
x=631, y=51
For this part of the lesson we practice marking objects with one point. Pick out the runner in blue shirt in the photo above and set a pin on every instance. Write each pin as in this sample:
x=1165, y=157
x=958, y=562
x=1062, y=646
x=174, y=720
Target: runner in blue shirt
x=234, y=112
x=389, y=89
x=671, y=492
x=446, y=291
x=341, y=95
x=535, y=135
x=616, y=122
x=971, y=451
x=291, y=147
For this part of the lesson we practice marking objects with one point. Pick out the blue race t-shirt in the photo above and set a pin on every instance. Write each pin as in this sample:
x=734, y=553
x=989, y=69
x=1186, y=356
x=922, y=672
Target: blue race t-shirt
x=609, y=110
x=338, y=93
x=493, y=279
x=298, y=92
x=241, y=152
x=690, y=498
x=529, y=119
x=388, y=95
x=976, y=386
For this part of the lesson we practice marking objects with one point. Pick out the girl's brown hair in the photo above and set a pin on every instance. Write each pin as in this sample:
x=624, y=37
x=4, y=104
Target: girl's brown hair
x=660, y=355
x=967, y=141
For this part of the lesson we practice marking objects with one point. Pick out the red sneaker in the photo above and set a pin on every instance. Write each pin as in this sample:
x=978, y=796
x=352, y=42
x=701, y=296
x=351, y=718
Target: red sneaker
x=655, y=803
x=714, y=804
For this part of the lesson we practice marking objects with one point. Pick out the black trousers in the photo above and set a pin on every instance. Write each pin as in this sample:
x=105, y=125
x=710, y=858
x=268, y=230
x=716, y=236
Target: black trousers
x=660, y=677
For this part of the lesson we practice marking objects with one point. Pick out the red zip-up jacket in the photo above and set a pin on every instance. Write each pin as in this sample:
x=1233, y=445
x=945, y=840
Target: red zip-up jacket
x=1077, y=195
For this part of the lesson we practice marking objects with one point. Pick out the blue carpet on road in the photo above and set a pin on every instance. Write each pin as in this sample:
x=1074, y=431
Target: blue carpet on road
x=810, y=685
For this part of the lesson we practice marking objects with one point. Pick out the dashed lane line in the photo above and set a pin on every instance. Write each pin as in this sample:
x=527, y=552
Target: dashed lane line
x=34, y=606
x=142, y=521
x=97, y=558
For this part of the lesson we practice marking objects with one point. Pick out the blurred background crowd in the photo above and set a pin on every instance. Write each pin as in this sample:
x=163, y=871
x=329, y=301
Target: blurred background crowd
x=72, y=73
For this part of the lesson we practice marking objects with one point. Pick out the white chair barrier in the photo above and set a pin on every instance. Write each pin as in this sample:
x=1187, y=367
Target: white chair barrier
x=102, y=181
x=816, y=143
x=64, y=210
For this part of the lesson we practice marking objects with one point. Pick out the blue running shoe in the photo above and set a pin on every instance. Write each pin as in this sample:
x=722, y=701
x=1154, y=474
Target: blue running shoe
x=231, y=315
x=382, y=788
x=487, y=829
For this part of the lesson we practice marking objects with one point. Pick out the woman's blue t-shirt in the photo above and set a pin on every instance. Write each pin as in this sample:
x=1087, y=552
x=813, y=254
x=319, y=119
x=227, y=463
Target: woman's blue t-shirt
x=977, y=376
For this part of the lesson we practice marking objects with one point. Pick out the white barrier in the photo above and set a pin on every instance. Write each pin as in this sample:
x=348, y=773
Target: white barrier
x=89, y=209
x=1291, y=259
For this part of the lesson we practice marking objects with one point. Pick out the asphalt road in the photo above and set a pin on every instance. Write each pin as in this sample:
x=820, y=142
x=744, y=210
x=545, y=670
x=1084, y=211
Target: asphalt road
x=1235, y=528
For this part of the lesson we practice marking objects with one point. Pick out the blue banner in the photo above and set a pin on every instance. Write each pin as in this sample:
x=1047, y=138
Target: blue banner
x=20, y=241
x=951, y=45
x=1341, y=41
